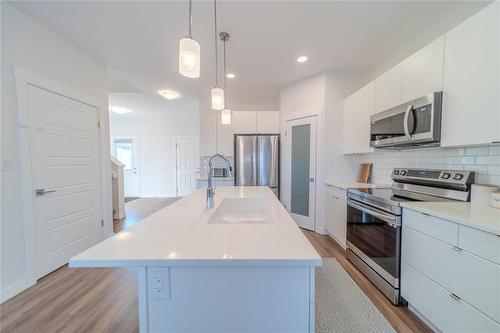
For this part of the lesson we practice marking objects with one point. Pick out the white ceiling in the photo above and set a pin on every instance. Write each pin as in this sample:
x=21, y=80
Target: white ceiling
x=139, y=39
x=143, y=106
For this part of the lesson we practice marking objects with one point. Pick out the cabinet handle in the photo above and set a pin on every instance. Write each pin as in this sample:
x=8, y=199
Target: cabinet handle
x=456, y=248
x=455, y=297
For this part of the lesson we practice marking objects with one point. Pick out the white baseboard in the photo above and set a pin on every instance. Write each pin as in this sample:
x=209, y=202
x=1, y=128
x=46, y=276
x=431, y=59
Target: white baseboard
x=158, y=195
x=321, y=231
x=14, y=289
x=423, y=318
x=336, y=240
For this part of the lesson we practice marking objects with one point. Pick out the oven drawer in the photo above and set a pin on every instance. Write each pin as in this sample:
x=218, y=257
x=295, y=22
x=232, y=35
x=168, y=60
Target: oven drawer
x=475, y=280
x=430, y=225
x=440, y=306
x=480, y=243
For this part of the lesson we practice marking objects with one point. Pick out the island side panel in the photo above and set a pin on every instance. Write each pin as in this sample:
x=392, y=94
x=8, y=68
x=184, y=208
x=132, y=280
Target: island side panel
x=143, y=299
x=312, y=299
x=233, y=298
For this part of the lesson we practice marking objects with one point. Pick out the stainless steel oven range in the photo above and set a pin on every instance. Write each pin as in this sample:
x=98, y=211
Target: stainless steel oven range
x=374, y=219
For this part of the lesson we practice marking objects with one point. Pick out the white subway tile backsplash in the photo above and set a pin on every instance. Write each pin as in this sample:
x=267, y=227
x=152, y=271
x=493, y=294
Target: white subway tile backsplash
x=477, y=151
x=495, y=150
x=488, y=160
x=494, y=170
x=485, y=161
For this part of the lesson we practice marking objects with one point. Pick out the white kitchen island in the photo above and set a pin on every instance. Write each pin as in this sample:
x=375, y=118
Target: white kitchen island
x=242, y=266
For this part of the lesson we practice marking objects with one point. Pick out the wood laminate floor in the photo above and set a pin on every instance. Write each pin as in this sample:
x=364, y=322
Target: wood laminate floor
x=105, y=300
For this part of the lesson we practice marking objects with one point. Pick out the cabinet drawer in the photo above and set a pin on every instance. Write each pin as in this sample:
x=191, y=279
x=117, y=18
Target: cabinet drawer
x=430, y=225
x=438, y=305
x=480, y=243
x=475, y=280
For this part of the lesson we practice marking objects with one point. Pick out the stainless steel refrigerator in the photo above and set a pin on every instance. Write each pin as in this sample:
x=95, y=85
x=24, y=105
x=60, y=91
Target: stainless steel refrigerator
x=257, y=161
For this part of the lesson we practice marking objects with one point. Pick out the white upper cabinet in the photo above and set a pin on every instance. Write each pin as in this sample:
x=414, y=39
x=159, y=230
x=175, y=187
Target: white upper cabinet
x=423, y=71
x=356, y=113
x=225, y=137
x=244, y=122
x=366, y=109
x=471, y=108
x=388, y=89
x=268, y=122
x=349, y=109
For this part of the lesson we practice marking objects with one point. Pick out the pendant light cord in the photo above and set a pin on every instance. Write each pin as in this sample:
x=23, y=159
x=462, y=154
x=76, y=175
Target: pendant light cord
x=225, y=76
x=215, y=40
x=190, y=20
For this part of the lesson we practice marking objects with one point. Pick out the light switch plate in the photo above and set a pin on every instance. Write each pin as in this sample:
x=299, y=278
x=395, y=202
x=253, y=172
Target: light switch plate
x=158, y=282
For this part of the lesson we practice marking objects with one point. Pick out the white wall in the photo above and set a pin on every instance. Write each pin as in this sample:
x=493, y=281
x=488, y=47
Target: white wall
x=297, y=100
x=30, y=46
x=338, y=168
x=155, y=124
x=303, y=97
x=320, y=95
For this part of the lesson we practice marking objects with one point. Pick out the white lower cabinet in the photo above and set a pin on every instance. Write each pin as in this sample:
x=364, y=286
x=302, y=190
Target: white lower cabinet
x=441, y=307
x=336, y=214
x=453, y=288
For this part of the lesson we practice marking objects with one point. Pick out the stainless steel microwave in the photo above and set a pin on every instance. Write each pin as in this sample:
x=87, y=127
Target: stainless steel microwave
x=414, y=124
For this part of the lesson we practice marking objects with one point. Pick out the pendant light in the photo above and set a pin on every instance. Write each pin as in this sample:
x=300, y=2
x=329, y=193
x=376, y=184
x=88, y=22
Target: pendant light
x=189, y=53
x=217, y=93
x=226, y=112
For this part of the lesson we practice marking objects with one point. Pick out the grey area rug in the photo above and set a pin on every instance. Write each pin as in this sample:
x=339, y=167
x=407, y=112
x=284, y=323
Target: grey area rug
x=341, y=306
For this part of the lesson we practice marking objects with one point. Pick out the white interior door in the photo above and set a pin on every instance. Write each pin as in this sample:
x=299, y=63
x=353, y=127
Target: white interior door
x=66, y=178
x=126, y=150
x=187, y=157
x=301, y=135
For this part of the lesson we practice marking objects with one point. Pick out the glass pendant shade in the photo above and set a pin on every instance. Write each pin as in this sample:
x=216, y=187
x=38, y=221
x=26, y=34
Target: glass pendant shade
x=217, y=98
x=226, y=117
x=189, y=58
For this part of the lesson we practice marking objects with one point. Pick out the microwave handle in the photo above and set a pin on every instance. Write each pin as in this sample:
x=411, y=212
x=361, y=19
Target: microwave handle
x=405, y=121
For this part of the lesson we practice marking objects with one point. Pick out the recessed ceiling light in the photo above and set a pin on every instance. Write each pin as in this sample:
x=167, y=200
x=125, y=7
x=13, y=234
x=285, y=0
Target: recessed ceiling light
x=230, y=76
x=169, y=94
x=302, y=59
x=119, y=109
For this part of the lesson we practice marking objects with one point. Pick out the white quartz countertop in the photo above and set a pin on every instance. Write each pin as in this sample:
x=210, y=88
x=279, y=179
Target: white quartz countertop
x=346, y=185
x=482, y=217
x=180, y=235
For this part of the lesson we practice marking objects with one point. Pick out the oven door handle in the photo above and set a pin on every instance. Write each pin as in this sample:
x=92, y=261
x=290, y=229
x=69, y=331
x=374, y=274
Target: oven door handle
x=393, y=221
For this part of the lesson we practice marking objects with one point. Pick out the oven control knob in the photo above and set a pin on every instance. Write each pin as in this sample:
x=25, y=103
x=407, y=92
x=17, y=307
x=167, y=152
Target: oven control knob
x=458, y=176
x=396, y=172
x=403, y=173
x=446, y=175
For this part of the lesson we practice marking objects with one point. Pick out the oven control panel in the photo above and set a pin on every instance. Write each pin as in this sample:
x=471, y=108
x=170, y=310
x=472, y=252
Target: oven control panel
x=457, y=177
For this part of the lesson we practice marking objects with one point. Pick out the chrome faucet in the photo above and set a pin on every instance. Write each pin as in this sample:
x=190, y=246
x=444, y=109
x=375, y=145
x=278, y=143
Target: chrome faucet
x=210, y=188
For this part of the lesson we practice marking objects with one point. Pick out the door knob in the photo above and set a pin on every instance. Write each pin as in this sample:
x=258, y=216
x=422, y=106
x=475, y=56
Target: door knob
x=41, y=191
x=311, y=180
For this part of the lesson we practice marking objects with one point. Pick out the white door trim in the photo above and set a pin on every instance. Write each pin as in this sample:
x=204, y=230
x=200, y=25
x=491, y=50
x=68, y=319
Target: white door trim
x=23, y=80
x=175, y=138
x=313, y=120
x=136, y=138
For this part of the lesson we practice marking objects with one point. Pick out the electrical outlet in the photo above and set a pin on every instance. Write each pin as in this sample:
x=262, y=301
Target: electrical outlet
x=159, y=282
